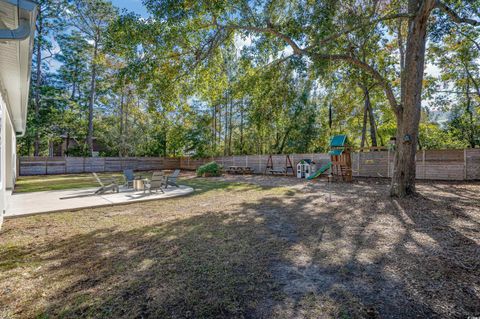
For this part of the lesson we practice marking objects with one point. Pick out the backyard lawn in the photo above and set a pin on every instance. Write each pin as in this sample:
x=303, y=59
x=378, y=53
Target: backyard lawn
x=59, y=182
x=249, y=247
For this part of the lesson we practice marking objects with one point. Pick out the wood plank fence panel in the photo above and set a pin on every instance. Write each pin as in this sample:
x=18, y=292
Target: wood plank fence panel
x=56, y=165
x=94, y=164
x=472, y=162
x=75, y=165
x=33, y=166
x=430, y=164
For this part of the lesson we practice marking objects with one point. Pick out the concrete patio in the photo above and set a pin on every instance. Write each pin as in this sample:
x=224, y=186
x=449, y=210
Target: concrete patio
x=24, y=204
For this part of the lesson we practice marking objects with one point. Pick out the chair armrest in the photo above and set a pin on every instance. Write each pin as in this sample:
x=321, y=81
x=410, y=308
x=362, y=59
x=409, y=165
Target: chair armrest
x=109, y=180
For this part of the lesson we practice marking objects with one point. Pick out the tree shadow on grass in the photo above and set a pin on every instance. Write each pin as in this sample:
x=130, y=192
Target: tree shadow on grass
x=373, y=256
x=359, y=255
x=206, y=266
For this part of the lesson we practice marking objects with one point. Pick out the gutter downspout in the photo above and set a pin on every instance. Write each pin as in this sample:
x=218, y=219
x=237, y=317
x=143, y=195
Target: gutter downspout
x=22, y=32
x=19, y=34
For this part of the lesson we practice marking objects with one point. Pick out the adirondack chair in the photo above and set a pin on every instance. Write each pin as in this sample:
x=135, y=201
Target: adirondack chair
x=172, y=179
x=106, y=184
x=156, y=182
x=129, y=177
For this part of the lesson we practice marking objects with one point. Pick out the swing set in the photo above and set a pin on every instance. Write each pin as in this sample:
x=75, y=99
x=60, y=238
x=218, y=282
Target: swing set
x=281, y=170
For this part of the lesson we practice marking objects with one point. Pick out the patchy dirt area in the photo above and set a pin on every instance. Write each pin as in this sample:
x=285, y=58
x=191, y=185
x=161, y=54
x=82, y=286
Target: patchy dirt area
x=276, y=247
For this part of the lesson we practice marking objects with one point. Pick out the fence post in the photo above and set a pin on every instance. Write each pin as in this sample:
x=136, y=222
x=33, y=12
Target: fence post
x=358, y=163
x=260, y=164
x=18, y=167
x=465, y=164
x=388, y=163
x=246, y=160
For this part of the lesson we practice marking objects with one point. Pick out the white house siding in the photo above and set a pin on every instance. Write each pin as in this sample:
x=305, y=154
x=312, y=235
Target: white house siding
x=7, y=158
x=17, y=28
x=3, y=197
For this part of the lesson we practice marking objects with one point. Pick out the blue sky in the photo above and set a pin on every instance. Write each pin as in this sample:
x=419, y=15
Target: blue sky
x=131, y=5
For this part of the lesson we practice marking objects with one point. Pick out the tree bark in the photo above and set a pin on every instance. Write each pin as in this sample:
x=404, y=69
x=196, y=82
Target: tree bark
x=371, y=117
x=230, y=125
x=38, y=83
x=468, y=109
x=225, y=135
x=241, y=127
x=122, y=135
x=92, y=97
x=408, y=117
x=214, y=134
x=364, y=125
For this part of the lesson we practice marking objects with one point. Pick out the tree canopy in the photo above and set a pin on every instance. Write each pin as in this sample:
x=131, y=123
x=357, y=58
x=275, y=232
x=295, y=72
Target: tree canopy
x=204, y=78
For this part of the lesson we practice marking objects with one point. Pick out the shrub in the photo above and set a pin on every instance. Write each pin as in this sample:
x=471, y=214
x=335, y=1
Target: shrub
x=212, y=169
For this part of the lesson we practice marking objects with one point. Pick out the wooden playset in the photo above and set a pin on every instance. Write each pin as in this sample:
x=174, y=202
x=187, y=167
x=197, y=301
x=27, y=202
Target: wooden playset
x=340, y=158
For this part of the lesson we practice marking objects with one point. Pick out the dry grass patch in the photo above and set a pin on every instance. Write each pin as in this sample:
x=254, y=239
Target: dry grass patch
x=236, y=250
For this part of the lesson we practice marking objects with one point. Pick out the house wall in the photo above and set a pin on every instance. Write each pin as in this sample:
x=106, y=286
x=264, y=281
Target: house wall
x=3, y=198
x=7, y=158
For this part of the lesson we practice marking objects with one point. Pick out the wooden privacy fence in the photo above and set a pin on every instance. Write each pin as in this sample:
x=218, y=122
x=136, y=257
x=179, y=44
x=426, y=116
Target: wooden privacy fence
x=431, y=164
x=72, y=165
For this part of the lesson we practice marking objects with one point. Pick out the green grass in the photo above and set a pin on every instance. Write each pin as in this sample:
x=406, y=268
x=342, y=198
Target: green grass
x=59, y=182
x=196, y=255
x=71, y=181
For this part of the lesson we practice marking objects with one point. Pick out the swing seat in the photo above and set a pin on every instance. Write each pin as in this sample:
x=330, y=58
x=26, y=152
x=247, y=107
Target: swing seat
x=277, y=171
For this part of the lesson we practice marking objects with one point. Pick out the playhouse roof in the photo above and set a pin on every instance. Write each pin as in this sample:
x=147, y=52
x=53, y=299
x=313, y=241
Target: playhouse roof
x=338, y=141
x=305, y=160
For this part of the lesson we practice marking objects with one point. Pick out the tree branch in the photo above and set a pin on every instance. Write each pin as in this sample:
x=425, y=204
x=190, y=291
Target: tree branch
x=334, y=57
x=469, y=74
x=369, y=69
x=359, y=26
x=477, y=44
x=454, y=16
x=296, y=49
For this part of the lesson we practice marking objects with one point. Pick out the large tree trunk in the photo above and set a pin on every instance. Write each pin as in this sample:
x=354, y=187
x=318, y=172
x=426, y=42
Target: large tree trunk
x=122, y=133
x=225, y=135
x=230, y=126
x=74, y=84
x=364, y=124
x=371, y=117
x=92, y=98
x=126, y=110
x=38, y=82
x=241, y=127
x=408, y=117
x=468, y=109
x=214, y=128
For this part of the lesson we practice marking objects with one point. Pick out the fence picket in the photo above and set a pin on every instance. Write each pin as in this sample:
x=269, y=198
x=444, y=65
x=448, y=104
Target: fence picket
x=432, y=164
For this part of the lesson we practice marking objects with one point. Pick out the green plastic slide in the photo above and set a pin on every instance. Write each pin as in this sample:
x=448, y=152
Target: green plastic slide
x=321, y=170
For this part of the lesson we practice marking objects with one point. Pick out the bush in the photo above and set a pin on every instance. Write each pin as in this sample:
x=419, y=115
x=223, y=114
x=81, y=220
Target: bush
x=211, y=169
